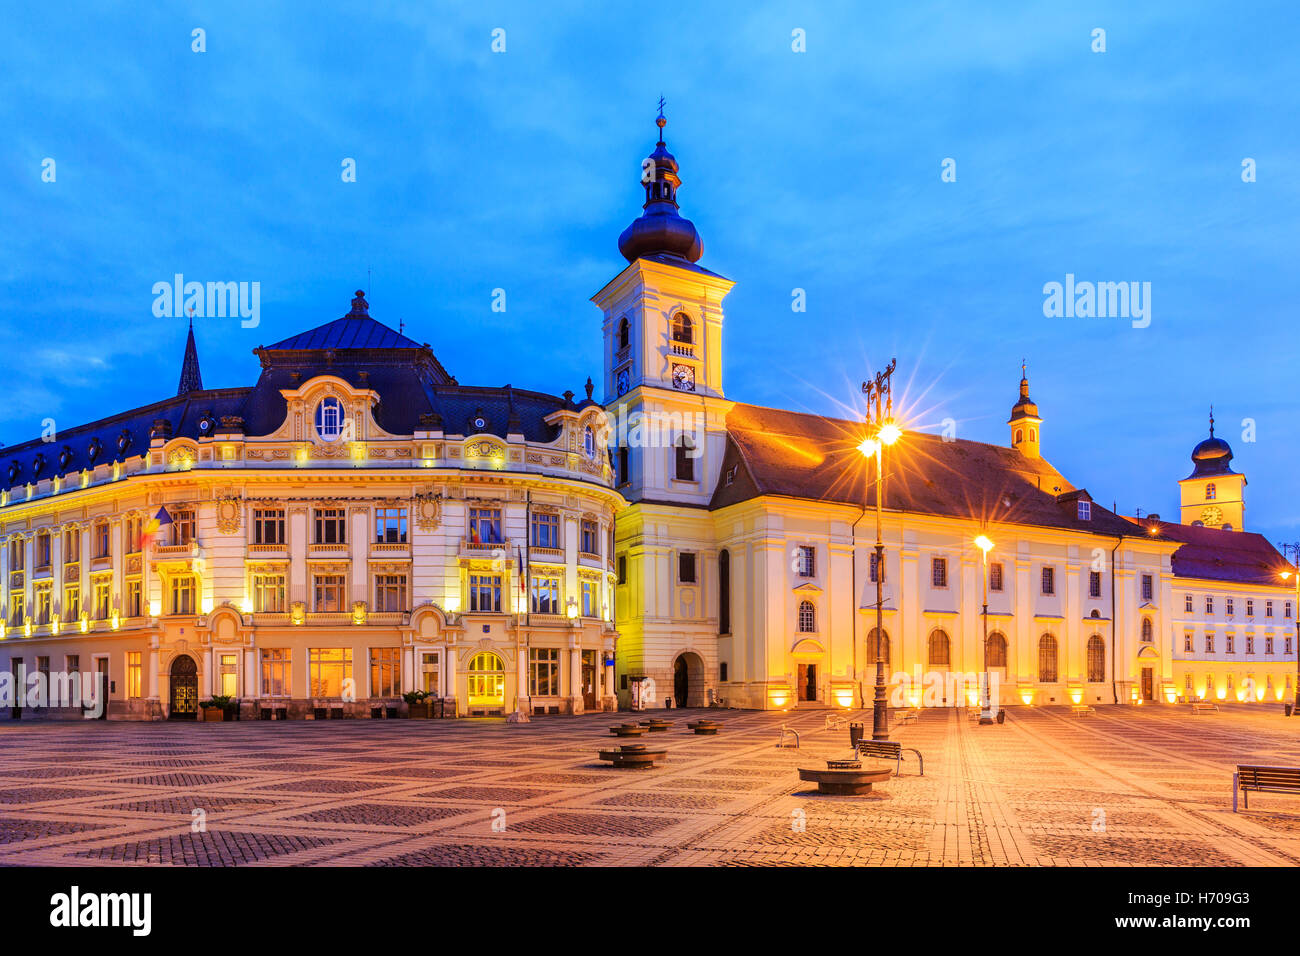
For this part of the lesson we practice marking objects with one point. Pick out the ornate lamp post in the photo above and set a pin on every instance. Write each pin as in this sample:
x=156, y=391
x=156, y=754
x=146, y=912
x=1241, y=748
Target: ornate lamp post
x=986, y=713
x=1294, y=575
x=882, y=430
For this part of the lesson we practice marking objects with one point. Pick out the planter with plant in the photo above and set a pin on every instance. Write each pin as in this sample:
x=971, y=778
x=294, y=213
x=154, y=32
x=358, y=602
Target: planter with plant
x=218, y=707
x=418, y=705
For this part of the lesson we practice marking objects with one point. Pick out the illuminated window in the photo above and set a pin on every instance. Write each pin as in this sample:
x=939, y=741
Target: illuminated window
x=590, y=598
x=71, y=602
x=487, y=680
x=807, y=617
x=330, y=671
x=182, y=594
x=485, y=592
x=485, y=525
x=544, y=672
x=1210, y=492
x=546, y=594
x=385, y=671
x=390, y=592
x=683, y=330
x=103, y=598
x=134, y=674
x=276, y=672
x=268, y=593
x=228, y=675
x=134, y=598
x=43, y=605
x=329, y=593
x=134, y=531
x=16, y=609
x=182, y=526
x=939, y=650
x=589, y=537
x=1047, y=659
x=329, y=419
x=429, y=671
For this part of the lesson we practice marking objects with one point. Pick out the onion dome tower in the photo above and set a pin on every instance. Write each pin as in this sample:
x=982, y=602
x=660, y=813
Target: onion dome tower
x=1213, y=495
x=660, y=230
x=1024, y=421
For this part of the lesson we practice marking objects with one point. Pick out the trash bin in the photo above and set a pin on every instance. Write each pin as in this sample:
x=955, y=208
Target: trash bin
x=668, y=703
x=1002, y=716
x=1289, y=709
x=856, y=733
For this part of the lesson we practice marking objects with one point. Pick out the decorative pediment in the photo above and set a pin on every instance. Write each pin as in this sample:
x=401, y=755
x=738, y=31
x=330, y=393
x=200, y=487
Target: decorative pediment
x=807, y=588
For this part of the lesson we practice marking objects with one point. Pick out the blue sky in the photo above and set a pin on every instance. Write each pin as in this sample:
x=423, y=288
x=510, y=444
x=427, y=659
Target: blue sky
x=817, y=170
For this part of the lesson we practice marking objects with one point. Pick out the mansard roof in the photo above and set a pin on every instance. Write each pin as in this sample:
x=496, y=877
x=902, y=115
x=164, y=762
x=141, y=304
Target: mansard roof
x=1214, y=554
x=797, y=455
x=349, y=332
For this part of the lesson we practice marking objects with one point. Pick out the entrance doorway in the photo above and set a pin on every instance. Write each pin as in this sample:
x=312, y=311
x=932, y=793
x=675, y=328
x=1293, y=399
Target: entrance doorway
x=807, y=682
x=185, y=688
x=15, y=668
x=588, y=680
x=487, y=682
x=101, y=686
x=1148, y=684
x=688, y=680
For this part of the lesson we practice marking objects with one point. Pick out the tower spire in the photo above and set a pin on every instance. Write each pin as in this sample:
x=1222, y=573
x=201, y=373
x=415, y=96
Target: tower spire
x=1211, y=421
x=660, y=230
x=191, y=380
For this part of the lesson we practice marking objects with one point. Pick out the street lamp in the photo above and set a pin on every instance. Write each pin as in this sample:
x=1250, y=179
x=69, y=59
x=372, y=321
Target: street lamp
x=882, y=431
x=986, y=714
x=1294, y=550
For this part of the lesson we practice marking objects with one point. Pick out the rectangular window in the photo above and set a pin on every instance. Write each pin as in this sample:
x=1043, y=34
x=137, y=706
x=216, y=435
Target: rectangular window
x=1250, y=644
x=686, y=567
x=624, y=465
x=134, y=674
x=268, y=593
x=101, y=537
x=43, y=605
x=590, y=599
x=684, y=459
x=134, y=533
x=17, y=554
x=103, y=600
x=328, y=669
x=390, y=592
x=1286, y=649
x=331, y=526
x=939, y=572
x=182, y=594
x=544, y=672
x=429, y=671
x=72, y=664
x=1094, y=584
x=622, y=569
x=485, y=525
x=1148, y=587
x=995, y=576
x=1268, y=645
x=385, y=671
x=276, y=672
x=71, y=603
x=1187, y=643
x=1268, y=608
x=590, y=537
x=43, y=550
x=1209, y=604
x=1049, y=580
x=134, y=598
x=329, y=593
x=71, y=545
x=1286, y=609
x=1187, y=603
x=546, y=530
x=807, y=561
x=1250, y=608
x=228, y=675
x=390, y=526
x=17, y=611
x=1085, y=511
x=268, y=526
x=546, y=594
x=1209, y=643
x=1229, y=644
x=876, y=570
x=1230, y=606
x=485, y=592
x=182, y=526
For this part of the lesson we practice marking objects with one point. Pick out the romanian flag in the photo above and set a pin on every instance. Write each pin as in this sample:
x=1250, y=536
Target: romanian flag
x=523, y=570
x=153, y=526
x=473, y=534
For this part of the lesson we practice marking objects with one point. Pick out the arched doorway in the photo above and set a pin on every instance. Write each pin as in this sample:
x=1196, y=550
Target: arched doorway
x=688, y=680
x=487, y=682
x=184, y=688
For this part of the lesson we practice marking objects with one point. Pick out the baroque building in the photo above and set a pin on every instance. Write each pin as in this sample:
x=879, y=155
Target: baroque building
x=354, y=526
x=745, y=564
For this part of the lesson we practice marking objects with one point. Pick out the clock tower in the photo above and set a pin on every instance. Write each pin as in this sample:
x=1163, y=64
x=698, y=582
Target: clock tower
x=1213, y=495
x=663, y=349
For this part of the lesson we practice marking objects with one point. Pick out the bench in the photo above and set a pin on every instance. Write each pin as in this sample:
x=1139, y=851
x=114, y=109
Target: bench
x=794, y=733
x=1203, y=706
x=836, y=722
x=888, y=750
x=1081, y=710
x=1263, y=779
x=904, y=716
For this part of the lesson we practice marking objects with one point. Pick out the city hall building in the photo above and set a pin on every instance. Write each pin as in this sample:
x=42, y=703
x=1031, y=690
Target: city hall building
x=358, y=525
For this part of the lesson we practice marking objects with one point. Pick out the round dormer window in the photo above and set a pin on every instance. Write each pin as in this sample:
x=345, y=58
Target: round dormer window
x=480, y=424
x=329, y=419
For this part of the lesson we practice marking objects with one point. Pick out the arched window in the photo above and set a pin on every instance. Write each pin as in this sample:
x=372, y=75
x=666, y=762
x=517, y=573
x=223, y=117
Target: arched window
x=684, y=453
x=807, y=618
x=1210, y=492
x=997, y=650
x=589, y=442
x=1020, y=435
x=873, y=653
x=1032, y=435
x=329, y=419
x=487, y=680
x=1047, y=659
x=1147, y=632
x=624, y=334
x=939, y=650
x=1096, y=659
x=682, y=331
x=724, y=591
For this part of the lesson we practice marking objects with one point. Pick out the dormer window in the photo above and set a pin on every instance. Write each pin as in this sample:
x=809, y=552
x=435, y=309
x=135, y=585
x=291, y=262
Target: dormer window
x=1085, y=510
x=1210, y=492
x=682, y=329
x=329, y=419
x=589, y=442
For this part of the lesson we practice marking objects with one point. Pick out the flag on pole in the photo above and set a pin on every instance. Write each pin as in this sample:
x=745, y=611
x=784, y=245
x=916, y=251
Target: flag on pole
x=153, y=526
x=523, y=570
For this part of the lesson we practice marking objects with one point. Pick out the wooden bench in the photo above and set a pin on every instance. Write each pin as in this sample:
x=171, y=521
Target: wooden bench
x=1265, y=780
x=904, y=716
x=1081, y=710
x=888, y=750
x=1203, y=706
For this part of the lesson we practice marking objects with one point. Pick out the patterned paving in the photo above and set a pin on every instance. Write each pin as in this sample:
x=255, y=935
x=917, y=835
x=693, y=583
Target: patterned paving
x=1127, y=786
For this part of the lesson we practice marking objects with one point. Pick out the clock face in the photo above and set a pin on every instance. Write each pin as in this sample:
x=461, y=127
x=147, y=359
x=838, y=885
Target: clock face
x=623, y=381
x=684, y=378
x=1212, y=516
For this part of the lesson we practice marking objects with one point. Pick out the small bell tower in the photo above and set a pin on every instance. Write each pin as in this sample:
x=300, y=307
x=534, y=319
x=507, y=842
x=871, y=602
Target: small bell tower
x=1025, y=423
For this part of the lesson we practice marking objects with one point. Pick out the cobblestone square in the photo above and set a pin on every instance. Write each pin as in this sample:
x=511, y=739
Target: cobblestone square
x=1127, y=786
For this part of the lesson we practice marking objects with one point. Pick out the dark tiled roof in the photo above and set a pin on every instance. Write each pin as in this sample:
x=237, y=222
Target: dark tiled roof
x=796, y=455
x=347, y=333
x=1218, y=555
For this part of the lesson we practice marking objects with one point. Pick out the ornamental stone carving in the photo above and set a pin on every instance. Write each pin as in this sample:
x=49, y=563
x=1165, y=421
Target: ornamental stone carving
x=427, y=511
x=229, y=515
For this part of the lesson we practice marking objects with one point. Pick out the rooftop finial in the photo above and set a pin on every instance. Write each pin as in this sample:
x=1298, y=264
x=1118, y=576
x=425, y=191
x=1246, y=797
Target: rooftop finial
x=360, y=307
x=1211, y=421
x=661, y=122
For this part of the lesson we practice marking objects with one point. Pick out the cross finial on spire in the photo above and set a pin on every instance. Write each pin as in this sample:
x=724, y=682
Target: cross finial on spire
x=1211, y=421
x=660, y=121
x=1024, y=369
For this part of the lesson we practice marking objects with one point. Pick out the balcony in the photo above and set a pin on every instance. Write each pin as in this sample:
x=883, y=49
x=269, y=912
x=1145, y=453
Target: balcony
x=269, y=550
x=546, y=554
x=327, y=550
x=683, y=348
x=390, y=548
x=489, y=549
